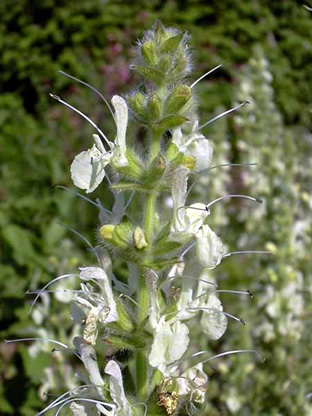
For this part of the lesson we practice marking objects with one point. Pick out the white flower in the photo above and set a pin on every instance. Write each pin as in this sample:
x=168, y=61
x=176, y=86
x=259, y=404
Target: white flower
x=170, y=343
x=121, y=119
x=116, y=389
x=186, y=220
x=99, y=308
x=106, y=297
x=193, y=383
x=88, y=357
x=213, y=321
x=88, y=167
x=209, y=247
x=194, y=144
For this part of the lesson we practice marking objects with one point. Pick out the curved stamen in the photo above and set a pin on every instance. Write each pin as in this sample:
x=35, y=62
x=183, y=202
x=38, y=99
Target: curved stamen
x=189, y=278
x=59, y=400
x=258, y=200
x=221, y=198
x=248, y=252
x=234, y=352
x=11, y=341
x=65, y=402
x=56, y=97
x=222, y=165
x=221, y=115
x=83, y=239
x=205, y=75
x=222, y=354
x=77, y=194
x=129, y=201
x=93, y=89
x=48, y=284
x=190, y=381
x=35, y=292
x=229, y=315
x=239, y=292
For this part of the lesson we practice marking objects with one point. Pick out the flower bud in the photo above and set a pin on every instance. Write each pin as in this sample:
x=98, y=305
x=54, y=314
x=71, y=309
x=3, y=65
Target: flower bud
x=137, y=103
x=157, y=169
x=120, y=235
x=139, y=238
x=149, y=53
x=154, y=107
x=106, y=231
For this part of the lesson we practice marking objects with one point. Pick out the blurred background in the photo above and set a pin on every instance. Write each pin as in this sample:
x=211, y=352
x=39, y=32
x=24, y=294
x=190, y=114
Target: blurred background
x=265, y=48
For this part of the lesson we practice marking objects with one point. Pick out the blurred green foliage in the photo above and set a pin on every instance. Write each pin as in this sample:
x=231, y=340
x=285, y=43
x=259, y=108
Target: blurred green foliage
x=38, y=140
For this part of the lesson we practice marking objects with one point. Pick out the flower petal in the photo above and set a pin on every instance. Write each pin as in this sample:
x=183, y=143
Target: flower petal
x=170, y=343
x=202, y=151
x=213, y=323
x=87, y=169
x=116, y=388
x=107, y=297
x=121, y=118
x=195, y=216
x=209, y=246
x=88, y=357
x=179, y=188
x=194, y=383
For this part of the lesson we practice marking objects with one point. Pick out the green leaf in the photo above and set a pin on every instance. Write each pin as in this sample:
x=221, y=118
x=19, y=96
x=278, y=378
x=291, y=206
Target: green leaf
x=161, y=263
x=154, y=107
x=173, y=152
x=169, y=122
x=177, y=99
x=156, y=170
x=171, y=45
x=165, y=247
x=135, y=168
x=129, y=186
x=149, y=54
x=150, y=73
x=131, y=343
x=124, y=318
x=163, y=234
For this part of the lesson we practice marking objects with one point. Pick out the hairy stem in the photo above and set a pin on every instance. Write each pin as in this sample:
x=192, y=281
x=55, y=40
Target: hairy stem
x=143, y=295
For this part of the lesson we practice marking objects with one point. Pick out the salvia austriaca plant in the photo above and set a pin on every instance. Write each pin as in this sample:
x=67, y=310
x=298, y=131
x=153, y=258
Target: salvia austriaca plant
x=146, y=315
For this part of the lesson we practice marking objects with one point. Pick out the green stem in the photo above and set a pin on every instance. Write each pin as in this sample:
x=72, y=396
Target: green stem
x=141, y=374
x=150, y=216
x=156, y=137
x=143, y=295
x=151, y=197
